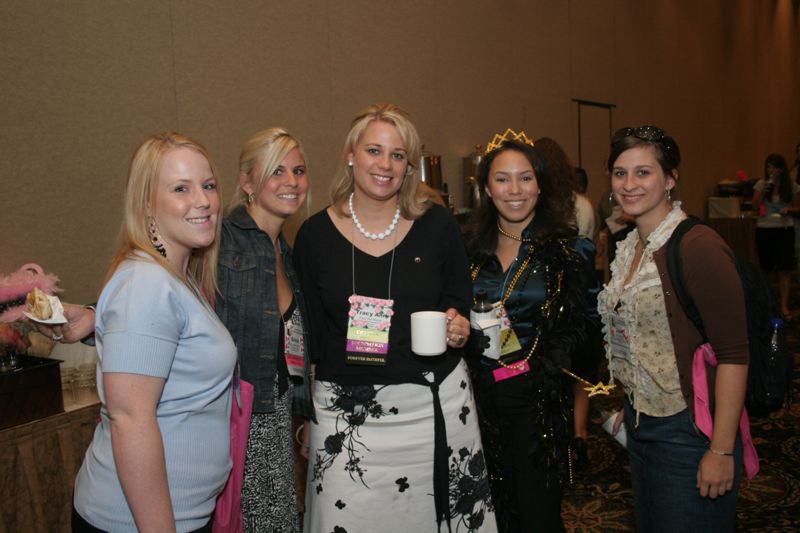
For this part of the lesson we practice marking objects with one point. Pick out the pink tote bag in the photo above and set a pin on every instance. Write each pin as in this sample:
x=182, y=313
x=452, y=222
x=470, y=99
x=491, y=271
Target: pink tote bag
x=228, y=512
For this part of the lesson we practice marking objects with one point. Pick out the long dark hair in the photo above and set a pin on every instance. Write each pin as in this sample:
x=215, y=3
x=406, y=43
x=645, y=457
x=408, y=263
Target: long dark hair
x=784, y=184
x=557, y=161
x=554, y=207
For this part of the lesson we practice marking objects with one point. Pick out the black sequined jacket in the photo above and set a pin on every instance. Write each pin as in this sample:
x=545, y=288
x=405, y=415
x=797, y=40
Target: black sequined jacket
x=552, y=305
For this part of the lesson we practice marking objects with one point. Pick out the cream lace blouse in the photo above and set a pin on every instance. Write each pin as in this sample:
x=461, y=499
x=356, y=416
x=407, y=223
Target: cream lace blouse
x=638, y=339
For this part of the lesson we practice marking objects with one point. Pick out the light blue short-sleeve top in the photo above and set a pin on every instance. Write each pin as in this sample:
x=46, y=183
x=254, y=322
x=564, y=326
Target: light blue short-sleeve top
x=150, y=323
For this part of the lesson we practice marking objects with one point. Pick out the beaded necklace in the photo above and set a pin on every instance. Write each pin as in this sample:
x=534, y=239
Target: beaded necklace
x=511, y=235
x=545, y=308
x=382, y=235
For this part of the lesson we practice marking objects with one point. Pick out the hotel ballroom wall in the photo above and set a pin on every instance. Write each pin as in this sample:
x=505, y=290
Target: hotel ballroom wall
x=83, y=82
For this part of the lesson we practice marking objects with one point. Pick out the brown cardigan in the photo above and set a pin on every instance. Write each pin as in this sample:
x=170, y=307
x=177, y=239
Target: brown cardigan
x=711, y=278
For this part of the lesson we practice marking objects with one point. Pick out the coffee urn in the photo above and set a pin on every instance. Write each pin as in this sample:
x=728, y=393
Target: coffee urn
x=470, y=166
x=430, y=170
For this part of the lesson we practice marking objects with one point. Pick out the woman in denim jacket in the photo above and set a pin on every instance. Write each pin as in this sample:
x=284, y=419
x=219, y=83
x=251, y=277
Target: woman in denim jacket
x=261, y=305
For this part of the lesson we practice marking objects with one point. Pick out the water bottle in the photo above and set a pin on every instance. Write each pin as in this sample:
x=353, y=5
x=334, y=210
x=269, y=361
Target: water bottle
x=776, y=341
x=482, y=310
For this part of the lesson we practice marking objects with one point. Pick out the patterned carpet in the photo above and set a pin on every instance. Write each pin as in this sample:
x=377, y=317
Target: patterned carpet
x=600, y=500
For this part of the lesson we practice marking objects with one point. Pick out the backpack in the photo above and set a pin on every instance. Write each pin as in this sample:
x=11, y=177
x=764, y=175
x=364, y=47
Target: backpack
x=769, y=379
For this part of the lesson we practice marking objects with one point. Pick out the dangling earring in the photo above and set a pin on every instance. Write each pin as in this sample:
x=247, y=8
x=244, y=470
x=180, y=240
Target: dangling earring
x=669, y=195
x=155, y=237
x=611, y=198
x=250, y=198
x=350, y=164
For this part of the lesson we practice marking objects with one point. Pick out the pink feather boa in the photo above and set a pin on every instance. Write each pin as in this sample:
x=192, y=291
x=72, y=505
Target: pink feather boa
x=14, y=287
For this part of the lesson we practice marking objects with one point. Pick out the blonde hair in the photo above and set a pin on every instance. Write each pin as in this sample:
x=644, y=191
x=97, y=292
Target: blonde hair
x=140, y=193
x=263, y=151
x=413, y=204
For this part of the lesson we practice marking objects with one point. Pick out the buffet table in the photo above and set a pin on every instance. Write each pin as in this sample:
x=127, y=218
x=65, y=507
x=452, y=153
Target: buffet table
x=40, y=458
x=740, y=234
x=38, y=464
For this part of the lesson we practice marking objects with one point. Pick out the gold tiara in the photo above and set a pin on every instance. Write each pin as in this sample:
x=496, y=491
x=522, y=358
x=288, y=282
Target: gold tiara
x=509, y=135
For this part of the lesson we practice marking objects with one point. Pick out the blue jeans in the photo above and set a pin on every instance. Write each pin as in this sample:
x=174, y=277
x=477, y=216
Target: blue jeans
x=664, y=454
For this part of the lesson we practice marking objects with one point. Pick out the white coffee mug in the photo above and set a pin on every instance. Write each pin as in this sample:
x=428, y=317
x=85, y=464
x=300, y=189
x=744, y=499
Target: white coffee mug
x=428, y=332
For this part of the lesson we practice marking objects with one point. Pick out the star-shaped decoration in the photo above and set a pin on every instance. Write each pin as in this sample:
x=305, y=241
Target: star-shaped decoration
x=600, y=388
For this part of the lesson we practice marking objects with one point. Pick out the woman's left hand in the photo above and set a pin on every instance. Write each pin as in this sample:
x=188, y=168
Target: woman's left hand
x=715, y=475
x=457, y=329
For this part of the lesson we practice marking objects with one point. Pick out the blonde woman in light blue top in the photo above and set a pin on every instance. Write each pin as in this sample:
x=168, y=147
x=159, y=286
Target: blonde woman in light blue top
x=161, y=452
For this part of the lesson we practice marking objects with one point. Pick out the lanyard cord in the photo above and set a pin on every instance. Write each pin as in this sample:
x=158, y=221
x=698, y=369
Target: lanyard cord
x=353, y=260
x=517, y=275
x=545, y=309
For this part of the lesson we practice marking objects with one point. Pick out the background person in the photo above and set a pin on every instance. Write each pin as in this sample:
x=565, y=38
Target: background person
x=587, y=355
x=584, y=210
x=397, y=447
x=614, y=223
x=775, y=197
x=794, y=175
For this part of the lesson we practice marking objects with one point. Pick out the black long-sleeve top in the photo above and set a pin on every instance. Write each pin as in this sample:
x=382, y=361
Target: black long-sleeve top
x=430, y=273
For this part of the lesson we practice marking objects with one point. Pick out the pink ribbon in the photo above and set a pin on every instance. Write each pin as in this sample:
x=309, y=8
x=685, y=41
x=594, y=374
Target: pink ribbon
x=703, y=355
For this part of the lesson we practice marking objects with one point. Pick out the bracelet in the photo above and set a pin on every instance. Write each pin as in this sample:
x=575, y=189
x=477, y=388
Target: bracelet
x=715, y=452
x=300, y=442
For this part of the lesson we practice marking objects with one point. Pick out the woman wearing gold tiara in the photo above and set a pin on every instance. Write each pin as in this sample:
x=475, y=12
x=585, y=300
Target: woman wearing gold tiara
x=528, y=259
x=397, y=446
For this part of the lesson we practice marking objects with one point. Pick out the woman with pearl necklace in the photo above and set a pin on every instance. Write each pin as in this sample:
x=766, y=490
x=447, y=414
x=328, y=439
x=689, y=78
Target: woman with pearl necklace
x=397, y=443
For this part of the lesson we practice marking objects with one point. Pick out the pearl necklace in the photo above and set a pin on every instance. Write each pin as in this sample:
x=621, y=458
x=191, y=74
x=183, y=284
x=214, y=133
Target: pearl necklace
x=382, y=235
x=511, y=235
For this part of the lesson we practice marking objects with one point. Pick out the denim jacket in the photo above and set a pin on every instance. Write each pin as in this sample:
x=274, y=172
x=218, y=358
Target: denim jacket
x=248, y=306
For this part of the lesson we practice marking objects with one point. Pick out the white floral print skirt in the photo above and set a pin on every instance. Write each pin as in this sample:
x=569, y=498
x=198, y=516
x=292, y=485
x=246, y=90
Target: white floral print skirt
x=371, y=459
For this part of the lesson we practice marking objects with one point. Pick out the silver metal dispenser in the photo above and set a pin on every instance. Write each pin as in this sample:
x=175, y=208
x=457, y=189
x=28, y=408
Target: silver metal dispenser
x=470, y=166
x=430, y=170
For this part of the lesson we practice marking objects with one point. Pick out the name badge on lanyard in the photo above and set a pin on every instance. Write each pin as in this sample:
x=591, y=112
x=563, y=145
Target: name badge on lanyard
x=293, y=348
x=509, y=343
x=368, y=323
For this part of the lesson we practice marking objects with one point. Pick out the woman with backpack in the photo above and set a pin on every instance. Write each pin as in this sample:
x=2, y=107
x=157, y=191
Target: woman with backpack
x=683, y=478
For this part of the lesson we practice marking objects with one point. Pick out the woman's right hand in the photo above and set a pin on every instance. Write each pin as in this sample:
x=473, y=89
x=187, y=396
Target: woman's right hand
x=80, y=324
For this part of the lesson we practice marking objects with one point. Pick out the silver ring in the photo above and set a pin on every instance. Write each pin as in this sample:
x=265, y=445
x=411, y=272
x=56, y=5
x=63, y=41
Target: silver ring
x=57, y=337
